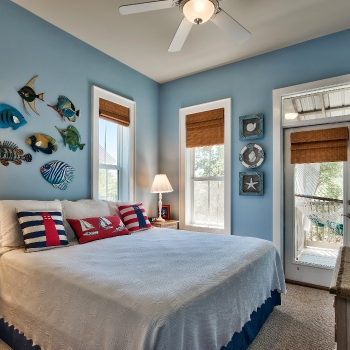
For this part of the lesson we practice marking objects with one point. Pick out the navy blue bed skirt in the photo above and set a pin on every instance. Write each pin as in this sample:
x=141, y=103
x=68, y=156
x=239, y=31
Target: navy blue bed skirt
x=242, y=340
x=239, y=341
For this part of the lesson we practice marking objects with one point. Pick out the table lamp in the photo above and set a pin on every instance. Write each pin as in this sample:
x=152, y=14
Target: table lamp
x=161, y=185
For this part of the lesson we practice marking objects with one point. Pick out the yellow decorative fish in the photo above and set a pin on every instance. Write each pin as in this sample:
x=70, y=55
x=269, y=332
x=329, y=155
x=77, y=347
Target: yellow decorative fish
x=43, y=143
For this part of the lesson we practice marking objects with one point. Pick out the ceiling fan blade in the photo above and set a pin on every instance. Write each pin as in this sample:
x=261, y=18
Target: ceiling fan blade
x=226, y=23
x=145, y=6
x=180, y=36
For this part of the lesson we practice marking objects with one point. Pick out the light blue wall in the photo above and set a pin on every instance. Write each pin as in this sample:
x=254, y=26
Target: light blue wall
x=66, y=65
x=249, y=83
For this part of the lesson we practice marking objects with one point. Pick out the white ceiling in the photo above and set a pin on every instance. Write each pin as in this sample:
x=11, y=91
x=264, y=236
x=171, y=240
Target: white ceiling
x=141, y=40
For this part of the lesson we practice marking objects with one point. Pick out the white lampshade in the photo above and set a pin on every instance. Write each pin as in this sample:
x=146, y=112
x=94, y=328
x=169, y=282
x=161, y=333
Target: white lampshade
x=161, y=184
x=198, y=11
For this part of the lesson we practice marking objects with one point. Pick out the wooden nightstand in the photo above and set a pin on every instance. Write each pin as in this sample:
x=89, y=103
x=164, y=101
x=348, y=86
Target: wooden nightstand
x=173, y=224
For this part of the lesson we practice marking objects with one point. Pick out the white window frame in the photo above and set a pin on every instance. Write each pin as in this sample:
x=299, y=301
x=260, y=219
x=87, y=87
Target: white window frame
x=126, y=179
x=278, y=186
x=202, y=178
x=186, y=168
x=122, y=162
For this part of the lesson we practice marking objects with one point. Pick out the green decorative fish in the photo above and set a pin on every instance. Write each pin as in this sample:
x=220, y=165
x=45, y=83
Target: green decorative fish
x=28, y=94
x=71, y=137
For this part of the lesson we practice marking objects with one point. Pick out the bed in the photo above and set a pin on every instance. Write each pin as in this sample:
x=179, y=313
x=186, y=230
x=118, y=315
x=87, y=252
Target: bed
x=151, y=290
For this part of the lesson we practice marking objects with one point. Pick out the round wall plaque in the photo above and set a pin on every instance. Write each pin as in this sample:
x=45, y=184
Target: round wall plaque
x=252, y=155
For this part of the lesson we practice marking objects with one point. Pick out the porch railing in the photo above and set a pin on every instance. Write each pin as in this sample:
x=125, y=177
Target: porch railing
x=319, y=221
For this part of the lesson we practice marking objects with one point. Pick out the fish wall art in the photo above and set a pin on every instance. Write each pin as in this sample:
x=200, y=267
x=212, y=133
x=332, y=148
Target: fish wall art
x=9, y=152
x=10, y=117
x=71, y=137
x=66, y=109
x=58, y=174
x=43, y=143
x=29, y=95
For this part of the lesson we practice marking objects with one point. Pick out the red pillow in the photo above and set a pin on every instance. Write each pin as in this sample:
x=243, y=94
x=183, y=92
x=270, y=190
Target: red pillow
x=134, y=217
x=91, y=229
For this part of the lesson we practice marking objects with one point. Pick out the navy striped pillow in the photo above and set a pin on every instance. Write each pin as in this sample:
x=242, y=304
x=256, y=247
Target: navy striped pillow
x=42, y=230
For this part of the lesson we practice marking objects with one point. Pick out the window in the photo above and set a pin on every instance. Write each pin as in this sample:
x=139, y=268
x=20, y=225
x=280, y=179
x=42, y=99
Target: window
x=317, y=106
x=288, y=112
x=113, y=147
x=208, y=186
x=110, y=145
x=205, y=171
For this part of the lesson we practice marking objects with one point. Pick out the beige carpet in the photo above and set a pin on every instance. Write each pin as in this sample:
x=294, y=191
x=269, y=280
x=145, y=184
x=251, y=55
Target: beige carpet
x=304, y=321
x=3, y=346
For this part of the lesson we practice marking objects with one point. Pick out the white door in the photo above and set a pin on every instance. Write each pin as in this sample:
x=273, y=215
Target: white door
x=316, y=197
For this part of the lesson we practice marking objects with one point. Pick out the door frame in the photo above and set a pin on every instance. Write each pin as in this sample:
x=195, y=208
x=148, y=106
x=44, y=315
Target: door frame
x=278, y=153
x=295, y=270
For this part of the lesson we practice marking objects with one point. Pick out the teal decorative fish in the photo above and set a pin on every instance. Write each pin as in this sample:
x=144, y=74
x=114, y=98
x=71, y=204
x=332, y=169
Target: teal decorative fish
x=65, y=108
x=10, y=117
x=28, y=94
x=71, y=137
x=43, y=143
x=57, y=173
x=9, y=152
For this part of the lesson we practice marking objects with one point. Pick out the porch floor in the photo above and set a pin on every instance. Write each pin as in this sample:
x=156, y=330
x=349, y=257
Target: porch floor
x=319, y=256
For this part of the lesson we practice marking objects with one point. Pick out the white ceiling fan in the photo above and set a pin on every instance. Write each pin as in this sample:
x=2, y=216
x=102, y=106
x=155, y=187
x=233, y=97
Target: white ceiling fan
x=195, y=12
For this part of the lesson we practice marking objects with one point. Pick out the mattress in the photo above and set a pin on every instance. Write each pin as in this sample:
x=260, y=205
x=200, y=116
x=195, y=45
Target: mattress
x=157, y=289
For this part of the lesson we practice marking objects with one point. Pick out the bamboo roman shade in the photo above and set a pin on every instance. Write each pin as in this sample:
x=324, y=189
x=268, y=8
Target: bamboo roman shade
x=205, y=128
x=316, y=146
x=114, y=112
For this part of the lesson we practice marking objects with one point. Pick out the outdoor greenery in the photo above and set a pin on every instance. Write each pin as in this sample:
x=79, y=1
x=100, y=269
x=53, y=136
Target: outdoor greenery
x=209, y=161
x=108, y=184
x=208, y=195
x=330, y=181
x=325, y=217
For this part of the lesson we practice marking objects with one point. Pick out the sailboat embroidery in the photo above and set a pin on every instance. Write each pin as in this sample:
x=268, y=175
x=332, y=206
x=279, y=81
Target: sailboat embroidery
x=105, y=224
x=90, y=233
x=121, y=227
x=85, y=226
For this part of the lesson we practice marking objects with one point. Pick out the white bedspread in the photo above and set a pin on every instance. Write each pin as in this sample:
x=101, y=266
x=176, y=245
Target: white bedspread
x=156, y=290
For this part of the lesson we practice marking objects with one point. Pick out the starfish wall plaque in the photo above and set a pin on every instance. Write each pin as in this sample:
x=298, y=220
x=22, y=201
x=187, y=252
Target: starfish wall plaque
x=251, y=183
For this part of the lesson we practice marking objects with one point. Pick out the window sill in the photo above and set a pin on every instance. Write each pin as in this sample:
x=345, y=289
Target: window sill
x=201, y=228
x=208, y=226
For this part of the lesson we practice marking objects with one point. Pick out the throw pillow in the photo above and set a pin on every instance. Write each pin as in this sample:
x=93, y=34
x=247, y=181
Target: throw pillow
x=134, y=217
x=11, y=236
x=91, y=229
x=42, y=230
x=84, y=208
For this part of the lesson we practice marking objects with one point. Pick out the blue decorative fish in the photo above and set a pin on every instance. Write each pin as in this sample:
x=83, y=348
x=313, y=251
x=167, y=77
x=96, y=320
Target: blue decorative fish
x=10, y=117
x=65, y=108
x=57, y=173
x=9, y=152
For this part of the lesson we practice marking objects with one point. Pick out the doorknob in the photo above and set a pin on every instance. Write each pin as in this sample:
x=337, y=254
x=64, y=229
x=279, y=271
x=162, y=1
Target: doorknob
x=349, y=201
x=347, y=215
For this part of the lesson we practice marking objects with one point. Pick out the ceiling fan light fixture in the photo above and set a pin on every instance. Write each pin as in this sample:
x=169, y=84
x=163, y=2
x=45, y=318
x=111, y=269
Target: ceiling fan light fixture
x=199, y=11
